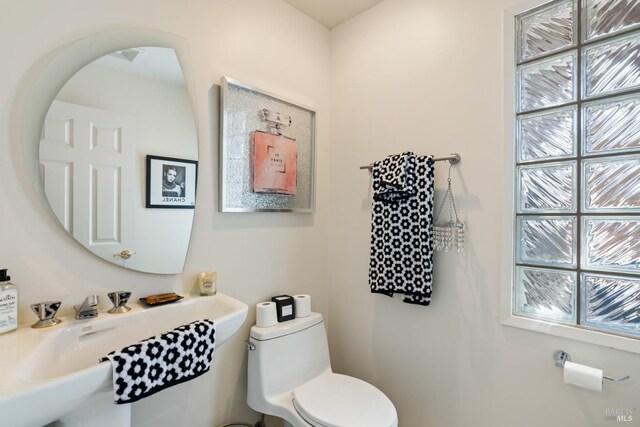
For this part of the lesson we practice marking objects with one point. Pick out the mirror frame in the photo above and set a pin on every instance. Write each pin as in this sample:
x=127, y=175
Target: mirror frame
x=59, y=65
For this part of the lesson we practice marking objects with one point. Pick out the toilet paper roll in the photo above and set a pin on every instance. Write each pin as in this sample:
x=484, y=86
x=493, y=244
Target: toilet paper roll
x=266, y=315
x=583, y=376
x=302, y=304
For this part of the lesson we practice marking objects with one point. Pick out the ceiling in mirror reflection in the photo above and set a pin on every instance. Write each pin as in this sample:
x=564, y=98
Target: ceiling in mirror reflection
x=104, y=122
x=157, y=63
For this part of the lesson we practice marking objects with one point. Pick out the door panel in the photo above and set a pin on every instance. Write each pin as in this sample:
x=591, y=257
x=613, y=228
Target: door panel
x=87, y=156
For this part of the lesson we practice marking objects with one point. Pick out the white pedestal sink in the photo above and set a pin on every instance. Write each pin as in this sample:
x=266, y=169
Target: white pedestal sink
x=52, y=374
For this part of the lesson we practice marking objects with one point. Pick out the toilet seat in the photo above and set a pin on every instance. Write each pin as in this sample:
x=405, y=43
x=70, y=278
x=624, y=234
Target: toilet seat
x=334, y=400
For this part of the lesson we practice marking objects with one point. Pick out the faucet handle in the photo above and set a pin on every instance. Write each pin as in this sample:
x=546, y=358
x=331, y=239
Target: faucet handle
x=119, y=300
x=46, y=312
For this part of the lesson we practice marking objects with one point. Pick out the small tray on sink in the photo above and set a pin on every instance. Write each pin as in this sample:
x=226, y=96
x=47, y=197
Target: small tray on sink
x=161, y=299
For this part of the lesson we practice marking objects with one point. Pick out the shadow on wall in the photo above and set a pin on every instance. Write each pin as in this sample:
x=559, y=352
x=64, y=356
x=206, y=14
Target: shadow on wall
x=415, y=347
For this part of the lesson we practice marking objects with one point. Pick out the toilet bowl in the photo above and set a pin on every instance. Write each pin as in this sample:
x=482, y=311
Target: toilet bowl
x=290, y=377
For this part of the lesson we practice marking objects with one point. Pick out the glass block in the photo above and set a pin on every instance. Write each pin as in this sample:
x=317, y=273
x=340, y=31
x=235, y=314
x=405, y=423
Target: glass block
x=545, y=294
x=611, y=244
x=611, y=303
x=602, y=17
x=612, y=183
x=545, y=240
x=612, y=66
x=547, y=83
x=612, y=126
x=547, y=188
x=548, y=135
x=545, y=30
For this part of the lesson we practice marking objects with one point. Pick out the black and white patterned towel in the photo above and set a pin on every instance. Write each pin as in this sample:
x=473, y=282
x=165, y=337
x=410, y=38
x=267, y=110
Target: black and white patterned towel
x=162, y=361
x=402, y=233
x=397, y=178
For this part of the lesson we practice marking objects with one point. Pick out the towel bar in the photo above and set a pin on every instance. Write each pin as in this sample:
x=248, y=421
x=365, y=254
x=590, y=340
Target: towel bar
x=454, y=159
x=560, y=357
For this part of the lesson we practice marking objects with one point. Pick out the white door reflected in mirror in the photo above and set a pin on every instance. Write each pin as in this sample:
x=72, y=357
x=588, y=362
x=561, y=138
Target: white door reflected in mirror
x=104, y=122
x=80, y=140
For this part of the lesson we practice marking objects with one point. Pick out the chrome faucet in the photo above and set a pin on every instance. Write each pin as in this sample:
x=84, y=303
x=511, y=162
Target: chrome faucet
x=88, y=309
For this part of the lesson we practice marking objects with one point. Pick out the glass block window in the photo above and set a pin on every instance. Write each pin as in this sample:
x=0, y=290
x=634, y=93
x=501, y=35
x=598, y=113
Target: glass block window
x=577, y=165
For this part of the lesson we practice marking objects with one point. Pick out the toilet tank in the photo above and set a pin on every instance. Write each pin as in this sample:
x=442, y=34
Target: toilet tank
x=285, y=356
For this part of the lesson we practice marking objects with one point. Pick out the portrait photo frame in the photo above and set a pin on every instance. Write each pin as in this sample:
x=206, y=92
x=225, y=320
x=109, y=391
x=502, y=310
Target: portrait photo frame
x=267, y=151
x=171, y=182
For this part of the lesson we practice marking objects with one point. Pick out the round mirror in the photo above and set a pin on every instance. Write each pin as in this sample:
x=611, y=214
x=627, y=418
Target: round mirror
x=118, y=159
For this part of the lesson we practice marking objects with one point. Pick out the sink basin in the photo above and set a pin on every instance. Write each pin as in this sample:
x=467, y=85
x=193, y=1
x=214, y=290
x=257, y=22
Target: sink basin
x=46, y=373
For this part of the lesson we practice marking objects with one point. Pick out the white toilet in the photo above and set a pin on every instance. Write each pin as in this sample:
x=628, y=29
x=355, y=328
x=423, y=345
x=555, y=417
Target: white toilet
x=290, y=377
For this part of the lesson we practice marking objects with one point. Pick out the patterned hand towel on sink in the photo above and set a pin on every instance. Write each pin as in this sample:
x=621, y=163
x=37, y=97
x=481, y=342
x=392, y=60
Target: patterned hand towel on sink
x=162, y=361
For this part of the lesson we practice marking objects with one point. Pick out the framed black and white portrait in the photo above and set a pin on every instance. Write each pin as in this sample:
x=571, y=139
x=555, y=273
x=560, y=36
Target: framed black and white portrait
x=171, y=183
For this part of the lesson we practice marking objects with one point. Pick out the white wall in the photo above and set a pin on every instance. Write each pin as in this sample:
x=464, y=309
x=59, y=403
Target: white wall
x=256, y=255
x=426, y=76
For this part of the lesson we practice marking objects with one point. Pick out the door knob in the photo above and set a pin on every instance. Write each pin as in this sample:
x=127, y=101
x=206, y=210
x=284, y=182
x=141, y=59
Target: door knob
x=125, y=254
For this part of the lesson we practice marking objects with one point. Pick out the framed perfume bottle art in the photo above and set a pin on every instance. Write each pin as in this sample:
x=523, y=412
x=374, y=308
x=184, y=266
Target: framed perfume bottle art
x=267, y=149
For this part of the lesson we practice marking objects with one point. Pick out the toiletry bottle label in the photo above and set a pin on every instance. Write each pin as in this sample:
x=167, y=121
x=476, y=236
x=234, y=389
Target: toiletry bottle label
x=8, y=310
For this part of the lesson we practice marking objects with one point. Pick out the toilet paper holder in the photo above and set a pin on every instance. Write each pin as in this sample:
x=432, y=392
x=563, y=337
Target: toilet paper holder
x=560, y=357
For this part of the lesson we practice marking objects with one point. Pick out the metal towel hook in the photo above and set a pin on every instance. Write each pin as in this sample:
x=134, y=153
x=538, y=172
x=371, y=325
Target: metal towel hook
x=561, y=356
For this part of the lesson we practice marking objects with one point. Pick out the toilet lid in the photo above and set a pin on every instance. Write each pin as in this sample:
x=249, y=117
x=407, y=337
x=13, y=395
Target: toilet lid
x=333, y=400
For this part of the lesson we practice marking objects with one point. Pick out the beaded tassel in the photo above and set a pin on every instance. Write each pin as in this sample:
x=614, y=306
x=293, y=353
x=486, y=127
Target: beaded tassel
x=449, y=236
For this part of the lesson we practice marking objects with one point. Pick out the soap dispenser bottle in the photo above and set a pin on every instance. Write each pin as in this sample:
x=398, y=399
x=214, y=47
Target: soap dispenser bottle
x=8, y=304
